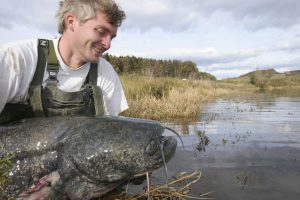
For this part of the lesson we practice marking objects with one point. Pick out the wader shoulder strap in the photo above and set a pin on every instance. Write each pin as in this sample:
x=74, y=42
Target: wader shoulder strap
x=93, y=74
x=52, y=66
x=41, y=62
x=97, y=92
x=35, y=88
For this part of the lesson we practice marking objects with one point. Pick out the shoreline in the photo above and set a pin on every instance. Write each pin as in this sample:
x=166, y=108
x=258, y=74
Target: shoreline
x=175, y=100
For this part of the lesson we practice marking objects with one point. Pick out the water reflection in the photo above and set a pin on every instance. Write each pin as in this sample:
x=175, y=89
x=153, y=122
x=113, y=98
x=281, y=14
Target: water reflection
x=269, y=118
x=253, y=150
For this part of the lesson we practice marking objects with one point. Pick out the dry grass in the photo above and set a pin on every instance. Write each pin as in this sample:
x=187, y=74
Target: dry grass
x=170, y=99
x=178, y=188
x=5, y=165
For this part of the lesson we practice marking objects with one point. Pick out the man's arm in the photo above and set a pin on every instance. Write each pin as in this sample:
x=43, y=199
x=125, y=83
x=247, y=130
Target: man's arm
x=17, y=66
x=6, y=77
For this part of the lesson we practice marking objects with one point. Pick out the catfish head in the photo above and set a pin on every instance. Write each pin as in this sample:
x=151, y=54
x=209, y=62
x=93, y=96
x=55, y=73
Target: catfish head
x=98, y=153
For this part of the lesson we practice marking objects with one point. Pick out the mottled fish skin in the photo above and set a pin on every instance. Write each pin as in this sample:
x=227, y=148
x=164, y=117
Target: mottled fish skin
x=91, y=154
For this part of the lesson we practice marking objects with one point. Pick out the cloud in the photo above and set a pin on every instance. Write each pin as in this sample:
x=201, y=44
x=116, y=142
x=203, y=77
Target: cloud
x=227, y=73
x=257, y=14
x=31, y=13
x=237, y=68
x=218, y=35
x=178, y=15
x=170, y=15
x=287, y=45
x=4, y=23
x=212, y=55
x=207, y=56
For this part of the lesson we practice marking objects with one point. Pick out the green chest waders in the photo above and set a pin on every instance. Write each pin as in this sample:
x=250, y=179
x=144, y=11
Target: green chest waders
x=50, y=100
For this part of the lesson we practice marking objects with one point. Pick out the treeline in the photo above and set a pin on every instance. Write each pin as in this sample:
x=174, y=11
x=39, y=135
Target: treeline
x=157, y=68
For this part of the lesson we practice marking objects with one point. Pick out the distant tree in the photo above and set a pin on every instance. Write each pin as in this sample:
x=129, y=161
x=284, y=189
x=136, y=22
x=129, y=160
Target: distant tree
x=158, y=68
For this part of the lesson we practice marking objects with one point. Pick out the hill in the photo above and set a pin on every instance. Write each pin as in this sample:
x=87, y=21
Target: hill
x=292, y=73
x=269, y=79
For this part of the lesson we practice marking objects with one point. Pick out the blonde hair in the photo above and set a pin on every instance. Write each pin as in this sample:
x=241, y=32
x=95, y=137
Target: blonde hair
x=87, y=9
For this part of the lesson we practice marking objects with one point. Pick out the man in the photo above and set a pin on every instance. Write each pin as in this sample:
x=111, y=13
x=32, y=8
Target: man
x=75, y=79
x=66, y=76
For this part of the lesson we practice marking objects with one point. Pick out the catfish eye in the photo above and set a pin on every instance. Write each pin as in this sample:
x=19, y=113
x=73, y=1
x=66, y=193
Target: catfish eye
x=151, y=148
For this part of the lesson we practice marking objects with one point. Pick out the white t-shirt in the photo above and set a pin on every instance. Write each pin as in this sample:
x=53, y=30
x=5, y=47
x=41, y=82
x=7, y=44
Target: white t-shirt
x=17, y=67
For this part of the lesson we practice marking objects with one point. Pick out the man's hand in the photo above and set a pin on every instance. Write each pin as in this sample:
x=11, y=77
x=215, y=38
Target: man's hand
x=40, y=190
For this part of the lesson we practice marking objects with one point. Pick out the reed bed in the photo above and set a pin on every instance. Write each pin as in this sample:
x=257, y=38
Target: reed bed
x=171, y=99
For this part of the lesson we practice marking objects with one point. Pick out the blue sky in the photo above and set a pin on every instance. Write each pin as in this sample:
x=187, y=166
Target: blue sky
x=226, y=38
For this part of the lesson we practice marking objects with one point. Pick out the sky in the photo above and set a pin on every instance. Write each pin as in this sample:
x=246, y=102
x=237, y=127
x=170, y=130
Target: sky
x=226, y=38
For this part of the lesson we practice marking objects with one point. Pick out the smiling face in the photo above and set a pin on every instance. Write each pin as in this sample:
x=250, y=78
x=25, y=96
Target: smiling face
x=88, y=40
x=94, y=37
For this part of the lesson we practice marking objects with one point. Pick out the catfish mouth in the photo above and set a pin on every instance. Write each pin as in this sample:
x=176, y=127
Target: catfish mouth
x=164, y=144
x=168, y=144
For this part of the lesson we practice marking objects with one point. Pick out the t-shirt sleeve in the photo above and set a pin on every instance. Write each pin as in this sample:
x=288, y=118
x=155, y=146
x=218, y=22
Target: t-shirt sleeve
x=113, y=94
x=17, y=65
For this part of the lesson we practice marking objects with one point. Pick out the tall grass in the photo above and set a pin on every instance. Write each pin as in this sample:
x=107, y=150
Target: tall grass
x=171, y=99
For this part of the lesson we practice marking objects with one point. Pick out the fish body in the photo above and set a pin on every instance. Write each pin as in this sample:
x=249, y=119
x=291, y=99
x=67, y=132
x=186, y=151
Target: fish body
x=92, y=155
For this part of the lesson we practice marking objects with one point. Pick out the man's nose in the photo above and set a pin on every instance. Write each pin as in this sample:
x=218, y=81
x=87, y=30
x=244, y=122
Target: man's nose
x=106, y=42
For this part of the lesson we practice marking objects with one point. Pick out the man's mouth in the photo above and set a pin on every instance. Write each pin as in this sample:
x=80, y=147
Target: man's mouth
x=98, y=50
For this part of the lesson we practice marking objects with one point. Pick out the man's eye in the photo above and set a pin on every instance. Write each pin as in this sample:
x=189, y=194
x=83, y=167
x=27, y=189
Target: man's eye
x=101, y=32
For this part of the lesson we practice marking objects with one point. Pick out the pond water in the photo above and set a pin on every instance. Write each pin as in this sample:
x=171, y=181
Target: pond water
x=253, y=150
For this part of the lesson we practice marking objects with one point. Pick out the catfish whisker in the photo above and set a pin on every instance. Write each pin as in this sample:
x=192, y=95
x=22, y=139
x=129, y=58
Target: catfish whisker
x=176, y=134
x=148, y=185
x=162, y=156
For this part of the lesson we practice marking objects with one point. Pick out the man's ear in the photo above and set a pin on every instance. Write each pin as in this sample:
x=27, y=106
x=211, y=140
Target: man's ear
x=70, y=21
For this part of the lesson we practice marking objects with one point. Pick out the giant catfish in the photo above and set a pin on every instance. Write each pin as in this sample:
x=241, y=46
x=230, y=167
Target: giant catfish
x=92, y=155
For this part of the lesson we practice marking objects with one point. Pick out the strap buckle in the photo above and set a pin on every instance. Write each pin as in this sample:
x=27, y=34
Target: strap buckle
x=52, y=71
